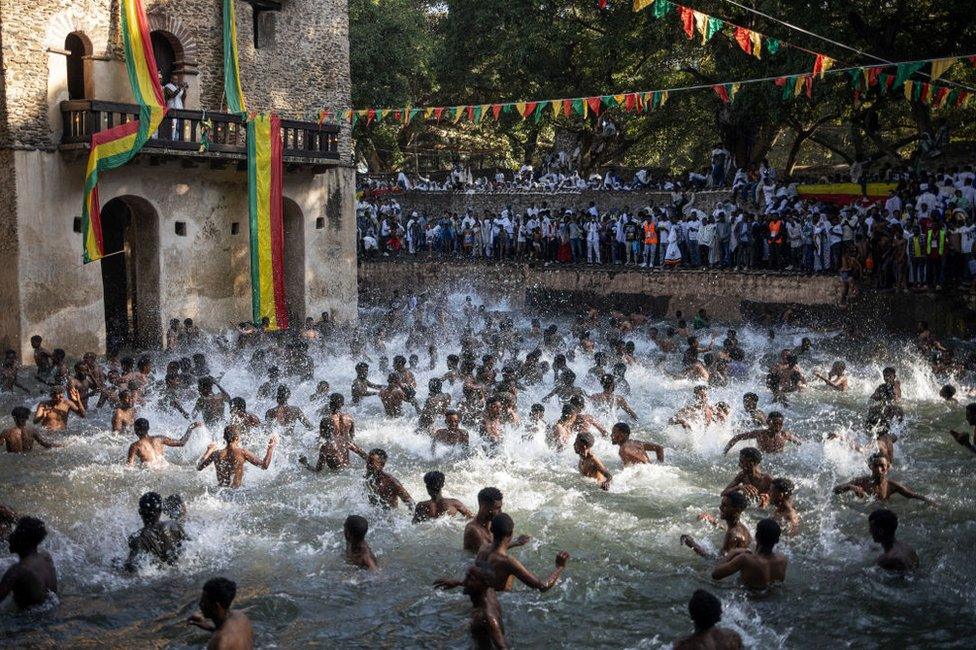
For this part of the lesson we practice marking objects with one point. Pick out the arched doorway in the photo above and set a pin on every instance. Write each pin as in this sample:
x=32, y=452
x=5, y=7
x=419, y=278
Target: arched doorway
x=294, y=261
x=130, y=273
x=79, y=50
x=167, y=50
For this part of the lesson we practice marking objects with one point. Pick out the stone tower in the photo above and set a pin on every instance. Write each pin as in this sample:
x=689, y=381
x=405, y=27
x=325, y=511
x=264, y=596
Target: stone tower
x=177, y=216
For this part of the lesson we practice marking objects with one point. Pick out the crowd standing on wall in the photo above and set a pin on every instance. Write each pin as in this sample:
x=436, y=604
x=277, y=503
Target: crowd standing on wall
x=922, y=235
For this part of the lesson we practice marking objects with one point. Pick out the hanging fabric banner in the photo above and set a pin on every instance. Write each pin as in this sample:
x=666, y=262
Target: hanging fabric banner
x=264, y=206
x=116, y=146
x=232, y=74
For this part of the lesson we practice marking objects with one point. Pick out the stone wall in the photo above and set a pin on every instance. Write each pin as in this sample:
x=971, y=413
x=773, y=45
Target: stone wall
x=436, y=203
x=304, y=68
x=728, y=297
x=204, y=274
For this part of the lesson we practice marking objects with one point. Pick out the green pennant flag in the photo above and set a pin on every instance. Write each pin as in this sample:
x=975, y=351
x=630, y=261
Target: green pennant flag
x=414, y=112
x=539, y=109
x=609, y=101
x=477, y=114
x=506, y=108
x=353, y=118
x=904, y=71
x=953, y=96
x=577, y=106
x=788, y=87
x=857, y=74
x=713, y=27
x=662, y=8
x=772, y=45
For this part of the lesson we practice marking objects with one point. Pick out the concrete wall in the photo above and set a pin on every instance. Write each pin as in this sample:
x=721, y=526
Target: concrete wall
x=729, y=297
x=204, y=275
x=436, y=203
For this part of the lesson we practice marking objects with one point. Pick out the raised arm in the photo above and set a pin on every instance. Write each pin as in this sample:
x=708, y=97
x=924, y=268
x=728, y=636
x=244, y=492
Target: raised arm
x=730, y=565
x=266, y=462
x=208, y=456
x=39, y=413
x=402, y=493
x=739, y=438
x=657, y=449
x=908, y=493
x=625, y=407
x=529, y=579
x=171, y=442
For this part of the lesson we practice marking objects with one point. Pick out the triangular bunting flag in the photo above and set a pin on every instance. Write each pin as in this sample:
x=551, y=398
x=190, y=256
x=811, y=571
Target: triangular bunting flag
x=756, y=44
x=595, y=104
x=772, y=45
x=640, y=5
x=742, y=37
x=496, y=110
x=557, y=106
x=712, y=27
x=722, y=93
x=520, y=109
x=687, y=20
x=821, y=64
x=939, y=66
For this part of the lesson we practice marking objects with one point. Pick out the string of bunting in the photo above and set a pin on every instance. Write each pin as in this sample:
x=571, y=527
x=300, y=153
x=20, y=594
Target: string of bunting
x=794, y=85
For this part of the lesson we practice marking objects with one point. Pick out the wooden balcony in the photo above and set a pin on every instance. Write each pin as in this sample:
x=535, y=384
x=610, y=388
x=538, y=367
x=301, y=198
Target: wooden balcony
x=181, y=134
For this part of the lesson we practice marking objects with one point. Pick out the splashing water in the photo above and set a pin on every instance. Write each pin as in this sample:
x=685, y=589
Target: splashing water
x=629, y=579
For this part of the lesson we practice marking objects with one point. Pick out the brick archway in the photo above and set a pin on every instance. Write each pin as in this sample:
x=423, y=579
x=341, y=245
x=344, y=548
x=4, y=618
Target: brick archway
x=180, y=38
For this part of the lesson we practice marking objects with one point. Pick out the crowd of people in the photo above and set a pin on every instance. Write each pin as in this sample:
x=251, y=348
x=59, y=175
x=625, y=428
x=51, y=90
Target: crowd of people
x=921, y=235
x=475, y=402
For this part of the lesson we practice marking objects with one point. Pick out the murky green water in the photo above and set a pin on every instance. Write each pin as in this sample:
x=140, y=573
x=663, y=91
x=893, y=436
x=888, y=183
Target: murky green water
x=627, y=583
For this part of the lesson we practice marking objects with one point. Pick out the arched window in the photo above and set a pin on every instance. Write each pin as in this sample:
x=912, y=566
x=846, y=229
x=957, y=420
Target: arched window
x=168, y=53
x=79, y=63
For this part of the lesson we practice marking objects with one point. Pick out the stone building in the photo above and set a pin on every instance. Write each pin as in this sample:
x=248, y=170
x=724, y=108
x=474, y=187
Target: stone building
x=178, y=214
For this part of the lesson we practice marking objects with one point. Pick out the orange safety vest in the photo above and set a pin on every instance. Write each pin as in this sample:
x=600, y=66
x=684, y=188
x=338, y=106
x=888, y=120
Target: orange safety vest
x=774, y=230
x=650, y=233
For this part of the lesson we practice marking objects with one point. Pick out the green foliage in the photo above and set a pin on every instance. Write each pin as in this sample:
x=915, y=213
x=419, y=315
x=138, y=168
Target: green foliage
x=407, y=52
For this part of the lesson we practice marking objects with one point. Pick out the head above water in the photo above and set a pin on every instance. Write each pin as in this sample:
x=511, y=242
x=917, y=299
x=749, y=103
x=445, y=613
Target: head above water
x=501, y=527
x=150, y=507
x=490, y=499
x=883, y=523
x=767, y=535
x=705, y=610
x=355, y=528
x=217, y=596
x=434, y=481
x=20, y=414
x=141, y=427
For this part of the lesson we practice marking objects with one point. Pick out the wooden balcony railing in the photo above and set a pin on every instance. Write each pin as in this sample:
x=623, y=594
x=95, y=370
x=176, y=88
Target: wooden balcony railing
x=182, y=130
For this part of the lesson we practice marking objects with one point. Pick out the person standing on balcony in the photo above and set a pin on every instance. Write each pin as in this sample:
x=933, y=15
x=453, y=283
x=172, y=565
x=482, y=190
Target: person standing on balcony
x=174, y=92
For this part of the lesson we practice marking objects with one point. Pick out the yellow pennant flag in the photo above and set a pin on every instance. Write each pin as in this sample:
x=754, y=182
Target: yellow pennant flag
x=734, y=90
x=642, y=4
x=664, y=98
x=939, y=66
x=620, y=99
x=798, y=86
x=756, y=41
x=557, y=106
x=520, y=107
x=428, y=113
x=909, y=88
x=701, y=24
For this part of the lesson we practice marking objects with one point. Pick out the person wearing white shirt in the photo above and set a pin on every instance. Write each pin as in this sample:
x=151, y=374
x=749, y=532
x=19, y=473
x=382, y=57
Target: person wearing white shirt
x=592, y=228
x=893, y=203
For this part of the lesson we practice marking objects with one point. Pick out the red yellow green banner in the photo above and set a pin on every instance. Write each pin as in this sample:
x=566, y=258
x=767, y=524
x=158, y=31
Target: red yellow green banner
x=233, y=93
x=264, y=202
x=844, y=193
x=116, y=146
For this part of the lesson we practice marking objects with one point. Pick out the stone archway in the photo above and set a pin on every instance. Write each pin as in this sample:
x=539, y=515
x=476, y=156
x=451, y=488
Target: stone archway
x=293, y=225
x=130, y=273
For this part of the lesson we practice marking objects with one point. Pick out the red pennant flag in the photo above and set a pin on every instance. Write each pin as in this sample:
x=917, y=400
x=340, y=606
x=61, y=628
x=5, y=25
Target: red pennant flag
x=567, y=107
x=630, y=102
x=722, y=93
x=808, y=80
x=687, y=20
x=603, y=4
x=370, y=115
x=396, y=115
x=438, y=112
x=925, y=93
x=871, y=74
x=530, y=108
x=470, y=111
x=743, y=38
x=940, y=96
x=780, y=81
x=496, y=110
x=595, y=103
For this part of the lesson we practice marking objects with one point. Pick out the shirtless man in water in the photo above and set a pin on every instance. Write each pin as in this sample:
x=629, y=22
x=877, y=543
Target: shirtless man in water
x=878, y=484
x=633, y=452
x=229, y=461
x=505, y=567
x=757, y=569
x=699, y=408
x=210, y=405
x=608, y=399
x=589, y=465
x=491, y=422
x=284, y=413
x=358, y=552
x=52, y=414
x=438, y=505
x=487, y=631
x=835, y=379
x=770, y=440
x=476, y=532
x=335, y=448
x=706, y=611
x=21, y=437
x=381, y=488
x=751, y=480
x=151, y=449
x=361, y=385
x=736, y=536
x=33, y=578
x=897, y=556
x=452, y=434
x=125, y=412
x=231, y=629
